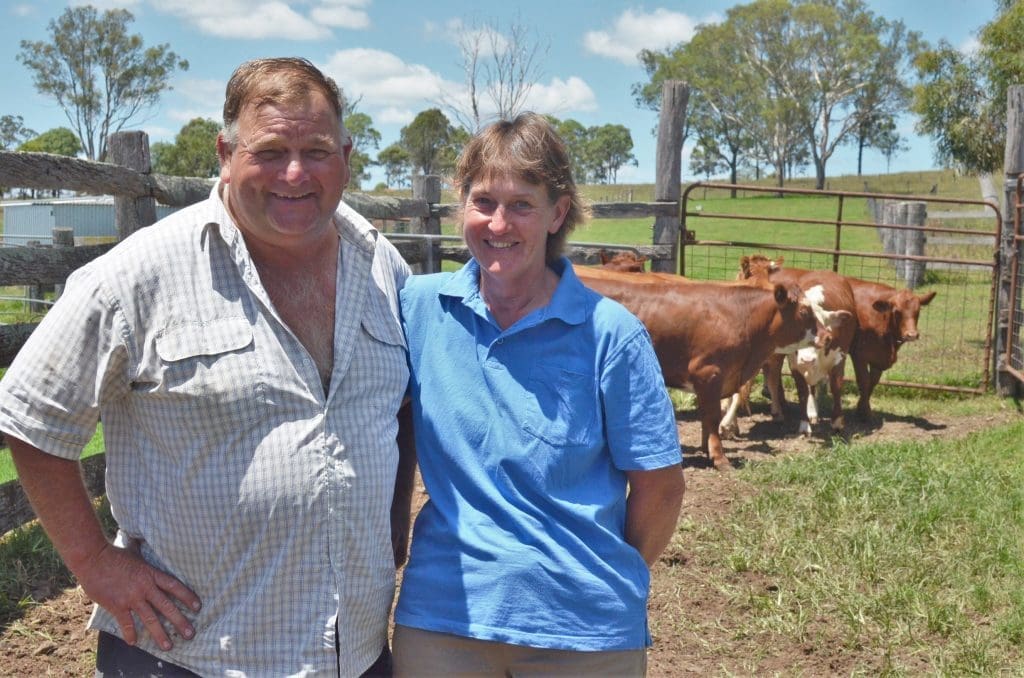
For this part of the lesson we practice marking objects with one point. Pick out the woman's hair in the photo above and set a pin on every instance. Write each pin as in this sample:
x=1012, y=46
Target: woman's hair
x=278, y=80
x=526, y=147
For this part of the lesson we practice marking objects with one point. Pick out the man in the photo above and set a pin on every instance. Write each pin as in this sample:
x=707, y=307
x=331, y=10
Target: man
x=246, y=359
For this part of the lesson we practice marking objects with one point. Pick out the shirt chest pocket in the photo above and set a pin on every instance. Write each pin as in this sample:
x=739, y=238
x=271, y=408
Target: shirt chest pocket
x=209, y=372
x=563, y=407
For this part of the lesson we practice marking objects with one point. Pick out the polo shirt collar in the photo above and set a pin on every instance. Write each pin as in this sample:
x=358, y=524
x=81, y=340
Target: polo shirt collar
x=567, y=303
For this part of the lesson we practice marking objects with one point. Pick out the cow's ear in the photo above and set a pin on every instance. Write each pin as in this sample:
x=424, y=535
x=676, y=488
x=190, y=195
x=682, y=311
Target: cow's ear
x=781, y=294
x=926, y=298
x=745, y=265
x=881, y=305
x=777, y=263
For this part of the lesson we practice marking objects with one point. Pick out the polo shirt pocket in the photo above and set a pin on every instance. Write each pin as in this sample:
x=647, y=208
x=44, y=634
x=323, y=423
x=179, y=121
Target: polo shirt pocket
x=209, y=371
x=563, y=407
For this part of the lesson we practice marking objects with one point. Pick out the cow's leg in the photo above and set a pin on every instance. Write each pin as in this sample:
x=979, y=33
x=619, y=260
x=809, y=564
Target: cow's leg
x=728, y=427
x=709, y=404
x=864, y=387
x=812, y=403
x=835, y=382
x=773, y=372
x=802, y=393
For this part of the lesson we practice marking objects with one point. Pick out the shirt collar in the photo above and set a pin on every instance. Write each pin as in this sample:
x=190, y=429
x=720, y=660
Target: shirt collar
x=566, y=303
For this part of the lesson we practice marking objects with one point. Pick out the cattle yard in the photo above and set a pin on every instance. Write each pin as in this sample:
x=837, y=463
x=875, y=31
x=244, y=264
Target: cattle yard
x=836, y=232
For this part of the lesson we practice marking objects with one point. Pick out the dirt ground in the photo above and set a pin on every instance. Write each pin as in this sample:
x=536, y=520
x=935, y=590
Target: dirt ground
x=51, y=640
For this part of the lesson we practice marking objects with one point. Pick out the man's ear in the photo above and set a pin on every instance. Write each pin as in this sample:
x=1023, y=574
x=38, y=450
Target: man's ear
x=224, y=155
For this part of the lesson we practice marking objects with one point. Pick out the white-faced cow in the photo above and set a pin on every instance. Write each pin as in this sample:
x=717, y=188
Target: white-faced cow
x=832, y=298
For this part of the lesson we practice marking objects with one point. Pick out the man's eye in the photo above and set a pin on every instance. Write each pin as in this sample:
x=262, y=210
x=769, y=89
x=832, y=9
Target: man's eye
x=318, y=154
x=268, y=155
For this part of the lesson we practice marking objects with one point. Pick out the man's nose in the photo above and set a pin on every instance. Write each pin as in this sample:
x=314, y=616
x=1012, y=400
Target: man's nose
x=295, y=169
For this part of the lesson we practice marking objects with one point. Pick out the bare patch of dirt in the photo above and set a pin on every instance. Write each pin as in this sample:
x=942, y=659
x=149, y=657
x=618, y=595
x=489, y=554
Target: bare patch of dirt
x=694, y=627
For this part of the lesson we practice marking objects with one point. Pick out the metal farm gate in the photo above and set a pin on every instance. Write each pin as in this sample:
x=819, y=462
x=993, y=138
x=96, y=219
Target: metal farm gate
x=852, y=234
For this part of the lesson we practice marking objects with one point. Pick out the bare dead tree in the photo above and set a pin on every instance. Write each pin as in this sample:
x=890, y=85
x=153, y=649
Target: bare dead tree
x=500, y=67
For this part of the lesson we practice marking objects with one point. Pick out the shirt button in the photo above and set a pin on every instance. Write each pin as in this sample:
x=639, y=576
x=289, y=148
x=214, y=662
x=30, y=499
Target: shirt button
x=501, y=341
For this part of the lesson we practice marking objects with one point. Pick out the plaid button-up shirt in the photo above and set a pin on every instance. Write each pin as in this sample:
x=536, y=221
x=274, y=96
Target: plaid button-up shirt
x=267, y=496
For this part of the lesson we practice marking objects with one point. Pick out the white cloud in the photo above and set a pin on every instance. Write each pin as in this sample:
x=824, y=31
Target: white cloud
x=22, y=10
x=970, y=46
x=561, y=96
x=262, y=19
x=637, y=30
x=103, y=5
x=488, y=41
x=384, y=81
x=342, y=13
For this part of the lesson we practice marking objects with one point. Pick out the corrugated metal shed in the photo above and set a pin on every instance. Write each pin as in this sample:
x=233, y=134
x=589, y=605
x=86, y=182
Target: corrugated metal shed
x=91, y=218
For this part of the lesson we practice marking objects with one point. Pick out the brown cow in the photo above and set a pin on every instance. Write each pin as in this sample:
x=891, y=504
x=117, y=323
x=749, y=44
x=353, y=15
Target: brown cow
x=833, y=298
x=626, y=261
x=887, y=319
x=708, y=336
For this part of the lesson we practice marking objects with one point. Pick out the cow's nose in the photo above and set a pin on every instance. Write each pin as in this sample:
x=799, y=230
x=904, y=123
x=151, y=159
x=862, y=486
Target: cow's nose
x=910, y=336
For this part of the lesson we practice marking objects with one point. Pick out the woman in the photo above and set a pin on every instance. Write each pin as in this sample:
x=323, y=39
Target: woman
x=537, y=402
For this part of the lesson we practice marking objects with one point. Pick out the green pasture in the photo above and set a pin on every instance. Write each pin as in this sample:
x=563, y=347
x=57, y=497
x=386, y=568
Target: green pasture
x=911, y=554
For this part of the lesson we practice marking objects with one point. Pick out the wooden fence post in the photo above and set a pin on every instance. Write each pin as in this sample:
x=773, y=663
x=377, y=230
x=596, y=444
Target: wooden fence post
x=34, y=292
x=63, y=238
x=427, y=187
x=913, y=270
x=131, y=149
x=1013, y=165
x=899, y=240
x=668, y=167
x=889, y=216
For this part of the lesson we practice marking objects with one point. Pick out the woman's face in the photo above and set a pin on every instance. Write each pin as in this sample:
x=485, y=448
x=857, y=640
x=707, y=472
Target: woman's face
x=506, y=222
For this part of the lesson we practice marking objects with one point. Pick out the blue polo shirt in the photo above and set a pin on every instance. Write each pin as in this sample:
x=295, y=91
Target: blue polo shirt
x=523, y=438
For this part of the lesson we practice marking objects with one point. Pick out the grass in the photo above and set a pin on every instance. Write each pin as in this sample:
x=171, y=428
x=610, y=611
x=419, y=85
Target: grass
x=906, y=552
x=7, y=473
x=31, y=570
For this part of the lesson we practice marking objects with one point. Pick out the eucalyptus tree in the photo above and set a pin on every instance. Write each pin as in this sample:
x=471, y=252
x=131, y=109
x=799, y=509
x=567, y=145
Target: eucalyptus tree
x=821, y=55
x=13, y=131
x=725, y=97
x=193, y=152
x=364, y=137
x=609, y=148
x=429, y=141
x=100, y=75
x=394, y=160
x=961, y=97
x=57, y=141
x=575, y=136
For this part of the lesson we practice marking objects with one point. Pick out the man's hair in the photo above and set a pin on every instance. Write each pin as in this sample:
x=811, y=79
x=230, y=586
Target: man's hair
x=526, y=147
x=278, y=80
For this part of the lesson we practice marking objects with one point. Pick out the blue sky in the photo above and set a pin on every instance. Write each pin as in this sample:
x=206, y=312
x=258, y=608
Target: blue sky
x=400, y=56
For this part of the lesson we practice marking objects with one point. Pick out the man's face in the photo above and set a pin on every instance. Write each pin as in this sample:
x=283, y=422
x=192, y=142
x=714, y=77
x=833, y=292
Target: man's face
x=287, y=172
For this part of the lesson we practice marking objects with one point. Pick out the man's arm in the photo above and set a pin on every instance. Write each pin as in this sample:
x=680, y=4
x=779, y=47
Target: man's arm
x=117, y=579
x=405, y=479
x=652, y=509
